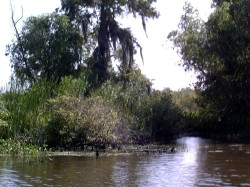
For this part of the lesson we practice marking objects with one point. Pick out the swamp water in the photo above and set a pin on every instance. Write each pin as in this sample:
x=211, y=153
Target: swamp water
x=196, y=162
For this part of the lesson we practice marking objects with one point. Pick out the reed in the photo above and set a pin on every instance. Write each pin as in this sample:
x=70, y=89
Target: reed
x=25, y=106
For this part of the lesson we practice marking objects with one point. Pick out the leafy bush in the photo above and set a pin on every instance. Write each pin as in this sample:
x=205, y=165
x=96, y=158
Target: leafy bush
x=130, y=97
x=4, y=116
x=75, y=122
x=164, y=119
x=153, y=114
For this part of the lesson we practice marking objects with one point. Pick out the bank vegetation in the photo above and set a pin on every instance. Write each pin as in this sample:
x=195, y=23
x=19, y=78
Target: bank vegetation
x=66, y=94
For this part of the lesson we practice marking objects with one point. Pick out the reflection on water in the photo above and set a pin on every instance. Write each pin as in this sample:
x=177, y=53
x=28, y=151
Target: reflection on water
x=196, y=162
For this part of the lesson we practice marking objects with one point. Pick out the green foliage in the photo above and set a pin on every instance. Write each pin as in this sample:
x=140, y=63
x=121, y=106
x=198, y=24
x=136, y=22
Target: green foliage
x=4, y=116
x=47, y=48
x=25, y=107
x=128, y=93
x=189, y=41
x=75, y=122
x=185, y=99
x=154, y=114
x=75, y=87
x=61, y=115
x=55, y=99
x=18, y=148
x=98, y=20
x=129, y=97
x=4, y=113
x=218, y=51
x=165, y=117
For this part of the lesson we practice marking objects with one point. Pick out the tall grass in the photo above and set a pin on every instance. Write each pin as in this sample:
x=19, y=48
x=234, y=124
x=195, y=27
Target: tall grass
x=72, y=86
x=25, y=106
x=45, y=112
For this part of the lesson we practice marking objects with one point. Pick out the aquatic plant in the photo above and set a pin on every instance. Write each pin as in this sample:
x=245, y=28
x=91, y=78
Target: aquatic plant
x=13, y=147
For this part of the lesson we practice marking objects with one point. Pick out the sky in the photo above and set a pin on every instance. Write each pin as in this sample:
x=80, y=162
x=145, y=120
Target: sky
x=160, y=60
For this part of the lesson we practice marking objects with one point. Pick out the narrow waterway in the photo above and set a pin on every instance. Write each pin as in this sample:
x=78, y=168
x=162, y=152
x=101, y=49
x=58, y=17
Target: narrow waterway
x=195, y=162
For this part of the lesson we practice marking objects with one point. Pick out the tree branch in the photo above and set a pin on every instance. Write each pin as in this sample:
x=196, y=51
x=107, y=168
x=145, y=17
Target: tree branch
x=18, y=37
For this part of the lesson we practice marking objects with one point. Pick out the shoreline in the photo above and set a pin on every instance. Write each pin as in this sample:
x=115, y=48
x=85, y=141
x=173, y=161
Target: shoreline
x=126, y=150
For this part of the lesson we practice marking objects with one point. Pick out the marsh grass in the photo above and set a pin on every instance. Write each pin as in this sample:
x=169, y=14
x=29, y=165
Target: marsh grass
x=25, y=107
x=62, y=114
x=73, y=86
x=23, y=118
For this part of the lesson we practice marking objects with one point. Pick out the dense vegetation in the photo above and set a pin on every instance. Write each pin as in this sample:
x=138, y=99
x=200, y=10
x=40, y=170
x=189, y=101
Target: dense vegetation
x=218, y=51
x=65, y=93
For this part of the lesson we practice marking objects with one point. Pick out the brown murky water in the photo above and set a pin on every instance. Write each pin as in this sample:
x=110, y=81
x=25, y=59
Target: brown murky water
x=196, y=162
